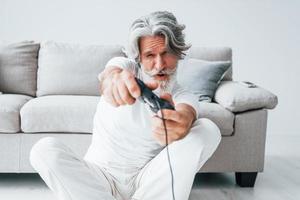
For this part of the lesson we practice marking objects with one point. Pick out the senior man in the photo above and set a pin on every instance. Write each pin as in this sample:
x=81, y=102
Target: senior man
x=127, y=159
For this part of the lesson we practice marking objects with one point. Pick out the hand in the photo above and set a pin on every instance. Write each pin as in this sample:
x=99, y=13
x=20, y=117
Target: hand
x=120, y=87
x=178, y=122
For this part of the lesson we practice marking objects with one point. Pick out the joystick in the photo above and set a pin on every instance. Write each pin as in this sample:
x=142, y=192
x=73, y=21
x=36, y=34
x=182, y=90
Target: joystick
x=155, y=103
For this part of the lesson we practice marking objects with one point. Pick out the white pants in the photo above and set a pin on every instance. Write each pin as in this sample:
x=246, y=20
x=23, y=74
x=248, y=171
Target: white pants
x=73, y=178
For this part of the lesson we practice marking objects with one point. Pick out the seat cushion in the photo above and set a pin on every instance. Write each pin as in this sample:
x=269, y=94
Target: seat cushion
x=74, y=113
x=59, y=113
x=223, y=118
x=10, y=105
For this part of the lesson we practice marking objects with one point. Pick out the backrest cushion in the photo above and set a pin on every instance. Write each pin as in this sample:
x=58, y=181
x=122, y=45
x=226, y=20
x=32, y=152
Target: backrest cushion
x=18, y=67
x=66, y=68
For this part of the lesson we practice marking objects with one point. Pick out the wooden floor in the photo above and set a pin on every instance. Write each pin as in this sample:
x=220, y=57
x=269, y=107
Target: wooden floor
x=279, y=181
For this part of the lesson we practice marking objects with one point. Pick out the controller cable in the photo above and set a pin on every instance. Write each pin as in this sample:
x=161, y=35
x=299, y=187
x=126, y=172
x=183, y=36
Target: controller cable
x=166, y=133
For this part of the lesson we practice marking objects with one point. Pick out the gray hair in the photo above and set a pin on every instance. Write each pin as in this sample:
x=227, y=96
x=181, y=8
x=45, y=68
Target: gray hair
x=159, y=23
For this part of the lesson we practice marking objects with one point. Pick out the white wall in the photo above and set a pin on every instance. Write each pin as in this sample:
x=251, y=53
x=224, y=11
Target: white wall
x=264, y=35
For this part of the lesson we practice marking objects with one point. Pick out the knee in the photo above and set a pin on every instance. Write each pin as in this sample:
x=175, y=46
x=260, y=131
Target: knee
x=214, y=131
x=210, y=130
x=208, y=137
x=43, y=151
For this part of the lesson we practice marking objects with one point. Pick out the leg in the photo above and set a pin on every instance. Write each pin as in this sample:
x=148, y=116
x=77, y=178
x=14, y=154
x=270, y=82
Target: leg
x=245, y=179
x=187, y=156
x=69, y=177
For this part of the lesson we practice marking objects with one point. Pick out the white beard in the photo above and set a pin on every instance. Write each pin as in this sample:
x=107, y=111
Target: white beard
x=165, y=86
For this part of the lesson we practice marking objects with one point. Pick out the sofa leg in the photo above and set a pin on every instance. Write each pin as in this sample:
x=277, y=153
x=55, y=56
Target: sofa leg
x=245, y=179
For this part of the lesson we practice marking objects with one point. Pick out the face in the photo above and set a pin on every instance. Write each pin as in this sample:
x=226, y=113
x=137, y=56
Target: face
x=157, y=62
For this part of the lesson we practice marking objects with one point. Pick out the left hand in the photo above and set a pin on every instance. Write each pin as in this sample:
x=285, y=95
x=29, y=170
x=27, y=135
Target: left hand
x=178, y=122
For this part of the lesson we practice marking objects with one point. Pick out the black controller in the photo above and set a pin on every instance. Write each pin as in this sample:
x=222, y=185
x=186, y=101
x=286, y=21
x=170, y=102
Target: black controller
x=152, y=99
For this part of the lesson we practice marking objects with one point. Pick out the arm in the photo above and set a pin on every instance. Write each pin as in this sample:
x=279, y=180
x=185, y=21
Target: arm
x=106, y=75
x=189, y=110
x=114, y=65
x=179, y=121
x=117, y=82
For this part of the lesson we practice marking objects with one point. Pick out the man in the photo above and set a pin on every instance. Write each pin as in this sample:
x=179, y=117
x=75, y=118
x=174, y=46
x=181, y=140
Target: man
x=127, y=159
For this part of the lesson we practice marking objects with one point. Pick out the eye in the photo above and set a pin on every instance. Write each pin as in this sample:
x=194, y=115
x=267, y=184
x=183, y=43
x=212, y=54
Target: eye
x=166, y=53
x=149, y=55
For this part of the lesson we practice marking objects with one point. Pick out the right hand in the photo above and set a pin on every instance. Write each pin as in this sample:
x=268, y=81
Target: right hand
x=121, y=88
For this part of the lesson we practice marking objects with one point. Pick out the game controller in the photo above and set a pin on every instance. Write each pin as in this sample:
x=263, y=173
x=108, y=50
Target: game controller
x=155, y=103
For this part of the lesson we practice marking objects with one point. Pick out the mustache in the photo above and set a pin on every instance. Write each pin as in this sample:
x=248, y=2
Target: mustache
x=164, y=71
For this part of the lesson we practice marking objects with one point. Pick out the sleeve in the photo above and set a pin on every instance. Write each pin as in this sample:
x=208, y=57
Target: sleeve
x=122, y=62
x=181, y=95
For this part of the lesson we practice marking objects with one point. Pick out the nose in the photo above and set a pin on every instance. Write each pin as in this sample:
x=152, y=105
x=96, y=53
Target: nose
x=159, y=63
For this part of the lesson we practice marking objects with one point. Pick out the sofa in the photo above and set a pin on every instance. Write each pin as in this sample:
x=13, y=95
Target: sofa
x=51, y=88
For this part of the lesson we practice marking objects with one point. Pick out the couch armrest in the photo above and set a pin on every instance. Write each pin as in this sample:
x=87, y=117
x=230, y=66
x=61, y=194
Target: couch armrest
x=238, y=98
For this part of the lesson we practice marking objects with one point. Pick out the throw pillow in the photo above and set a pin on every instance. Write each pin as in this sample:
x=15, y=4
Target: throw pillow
x=201, y=77
x=18, y=67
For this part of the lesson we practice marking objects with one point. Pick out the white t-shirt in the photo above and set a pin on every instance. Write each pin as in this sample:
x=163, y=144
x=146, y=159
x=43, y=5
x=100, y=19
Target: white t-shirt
x=122, y=135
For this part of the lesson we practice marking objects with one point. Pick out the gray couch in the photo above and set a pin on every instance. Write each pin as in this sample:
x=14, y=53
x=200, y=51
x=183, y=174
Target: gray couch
x=51, y=89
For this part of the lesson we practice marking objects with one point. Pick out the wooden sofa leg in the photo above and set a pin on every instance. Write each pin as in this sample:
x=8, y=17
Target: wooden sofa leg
x=245, y=179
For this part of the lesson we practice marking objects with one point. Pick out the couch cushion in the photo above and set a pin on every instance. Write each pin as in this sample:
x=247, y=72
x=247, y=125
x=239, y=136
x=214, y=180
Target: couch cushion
x=223, y=118
x=10, y=105
x=72, y=68
x=212, y=54
x=59, y=113
x=18, y=67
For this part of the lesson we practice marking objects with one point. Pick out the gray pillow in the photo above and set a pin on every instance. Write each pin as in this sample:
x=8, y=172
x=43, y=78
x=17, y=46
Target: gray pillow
x=18, y=67
x=201, y=77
